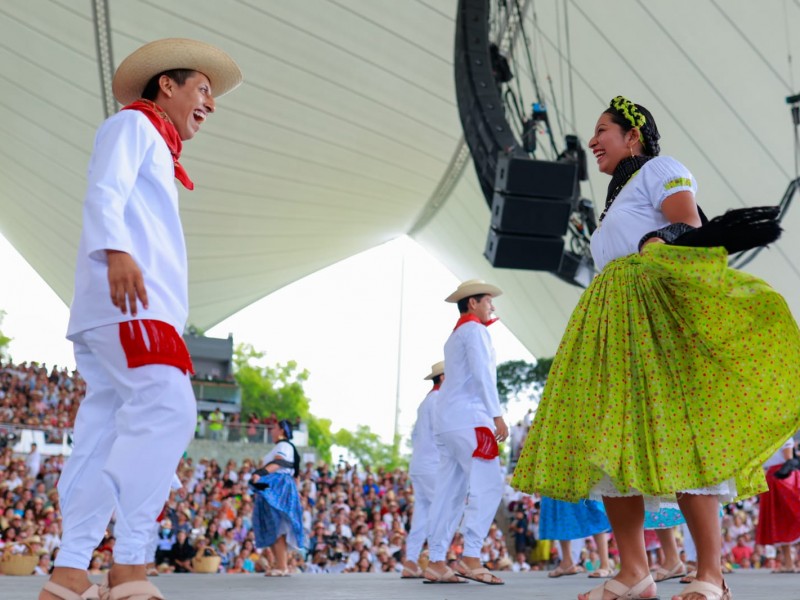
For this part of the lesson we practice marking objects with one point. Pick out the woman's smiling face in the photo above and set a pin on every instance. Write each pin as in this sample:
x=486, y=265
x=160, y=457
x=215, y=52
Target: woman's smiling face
x=610, y=144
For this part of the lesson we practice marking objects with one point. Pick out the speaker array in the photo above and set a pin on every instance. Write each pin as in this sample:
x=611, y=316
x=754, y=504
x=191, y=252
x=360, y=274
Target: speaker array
x=480, y=106
x=531, y=206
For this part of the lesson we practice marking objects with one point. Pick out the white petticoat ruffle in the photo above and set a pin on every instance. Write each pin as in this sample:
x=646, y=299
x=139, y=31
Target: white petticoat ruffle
x=725, y=491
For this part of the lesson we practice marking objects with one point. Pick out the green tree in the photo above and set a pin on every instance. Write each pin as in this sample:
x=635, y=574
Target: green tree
x=368, y=448
x=279, y=389
x=521, y=380
x=320, y=436
x=4, y=340
x=268, y=389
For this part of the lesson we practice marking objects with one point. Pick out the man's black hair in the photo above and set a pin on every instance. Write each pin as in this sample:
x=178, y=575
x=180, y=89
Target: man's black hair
x=180, y=76
x=463, y=304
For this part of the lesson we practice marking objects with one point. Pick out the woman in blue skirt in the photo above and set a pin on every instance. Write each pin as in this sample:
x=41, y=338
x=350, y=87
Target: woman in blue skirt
x=277, y=514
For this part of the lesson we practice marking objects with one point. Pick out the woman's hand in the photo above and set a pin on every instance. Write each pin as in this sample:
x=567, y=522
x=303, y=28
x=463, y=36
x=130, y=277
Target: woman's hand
x=652, y=240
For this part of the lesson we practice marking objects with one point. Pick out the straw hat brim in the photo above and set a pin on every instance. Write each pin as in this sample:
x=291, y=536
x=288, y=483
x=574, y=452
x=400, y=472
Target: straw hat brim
x=473, y=288
x=436, y=370
x=156, y=57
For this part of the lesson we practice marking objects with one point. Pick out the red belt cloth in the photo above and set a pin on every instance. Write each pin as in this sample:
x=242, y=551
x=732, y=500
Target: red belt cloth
x=148, y=342
x=487, y=444
x=779, y=510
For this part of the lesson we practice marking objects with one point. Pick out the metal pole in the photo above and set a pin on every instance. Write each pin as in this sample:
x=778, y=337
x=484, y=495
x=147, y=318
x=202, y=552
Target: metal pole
x=395, y=441
x=105, y=59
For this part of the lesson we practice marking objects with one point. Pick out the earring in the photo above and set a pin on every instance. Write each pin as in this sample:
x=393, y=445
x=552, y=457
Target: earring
x=631, y=150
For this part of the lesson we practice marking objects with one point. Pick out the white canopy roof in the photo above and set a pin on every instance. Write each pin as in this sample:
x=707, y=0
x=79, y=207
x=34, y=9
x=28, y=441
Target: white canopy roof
x=346, y=134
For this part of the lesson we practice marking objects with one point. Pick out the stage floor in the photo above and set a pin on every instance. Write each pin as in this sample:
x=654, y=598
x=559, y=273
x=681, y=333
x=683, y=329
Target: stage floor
x=746, y=585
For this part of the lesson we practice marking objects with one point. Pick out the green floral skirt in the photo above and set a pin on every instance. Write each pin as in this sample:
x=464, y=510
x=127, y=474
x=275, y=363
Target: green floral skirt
x=675, y=372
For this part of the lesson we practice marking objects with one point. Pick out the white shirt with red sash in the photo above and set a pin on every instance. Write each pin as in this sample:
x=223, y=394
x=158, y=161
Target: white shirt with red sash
x=468, y=397
x=131, y=205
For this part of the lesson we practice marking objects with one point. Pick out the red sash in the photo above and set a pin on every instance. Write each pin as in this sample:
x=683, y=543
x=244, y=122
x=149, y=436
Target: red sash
x=163, y=346
x=487, y=444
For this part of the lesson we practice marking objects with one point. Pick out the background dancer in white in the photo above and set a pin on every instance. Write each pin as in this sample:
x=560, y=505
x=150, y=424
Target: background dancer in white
x=422, y=470
x=469, y=423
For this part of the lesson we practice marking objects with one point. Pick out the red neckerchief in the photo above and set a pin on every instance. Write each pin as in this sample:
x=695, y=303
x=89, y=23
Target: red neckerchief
x=467, y=317
x=436, y=387
x=166, y=128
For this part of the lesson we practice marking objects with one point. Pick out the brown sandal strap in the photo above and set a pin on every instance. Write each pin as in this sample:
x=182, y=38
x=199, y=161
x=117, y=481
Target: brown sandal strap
x=135, y=590
x=92, y=593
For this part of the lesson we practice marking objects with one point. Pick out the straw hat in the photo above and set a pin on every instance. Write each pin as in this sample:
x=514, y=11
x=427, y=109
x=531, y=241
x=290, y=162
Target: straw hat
x=436, y=370
x=174, y=53
x=473, y=287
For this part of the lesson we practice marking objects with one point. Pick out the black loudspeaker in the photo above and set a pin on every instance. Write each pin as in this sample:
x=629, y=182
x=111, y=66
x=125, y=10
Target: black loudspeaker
x=509, y=251
x=537, y=178
x=531, y=216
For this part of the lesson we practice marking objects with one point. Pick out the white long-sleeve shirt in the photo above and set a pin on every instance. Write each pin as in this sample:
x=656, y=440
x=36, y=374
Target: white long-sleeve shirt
x=131, y=205
x=425, y=457
x=468, y=396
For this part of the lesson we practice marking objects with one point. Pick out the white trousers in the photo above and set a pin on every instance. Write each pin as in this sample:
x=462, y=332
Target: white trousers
x=424, y=491
x=472, y=487
x=131, y=430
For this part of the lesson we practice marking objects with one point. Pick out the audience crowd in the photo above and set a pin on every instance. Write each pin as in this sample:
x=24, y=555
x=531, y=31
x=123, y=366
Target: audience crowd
x=355, y=519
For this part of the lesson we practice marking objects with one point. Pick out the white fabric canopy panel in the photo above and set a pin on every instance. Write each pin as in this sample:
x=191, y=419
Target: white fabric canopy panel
x=347, y=123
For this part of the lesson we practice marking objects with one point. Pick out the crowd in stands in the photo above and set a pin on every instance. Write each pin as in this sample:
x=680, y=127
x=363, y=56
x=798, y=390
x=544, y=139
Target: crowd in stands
x=216, y=425
x=355, y=519
x=35, y=396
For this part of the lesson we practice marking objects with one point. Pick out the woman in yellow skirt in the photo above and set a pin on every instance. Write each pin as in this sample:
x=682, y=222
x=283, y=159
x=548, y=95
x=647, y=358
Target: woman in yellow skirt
x=676, y=378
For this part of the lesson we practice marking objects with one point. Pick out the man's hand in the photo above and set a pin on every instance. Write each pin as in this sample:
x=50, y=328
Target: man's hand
x=500, y=429
x=125, y=281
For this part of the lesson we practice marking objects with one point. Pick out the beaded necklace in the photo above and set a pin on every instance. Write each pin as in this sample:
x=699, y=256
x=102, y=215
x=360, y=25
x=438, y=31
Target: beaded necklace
x=626, y=169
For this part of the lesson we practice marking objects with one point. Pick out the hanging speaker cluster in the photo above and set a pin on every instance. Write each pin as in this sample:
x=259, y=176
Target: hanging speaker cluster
x=480, y=106
x=531, y=207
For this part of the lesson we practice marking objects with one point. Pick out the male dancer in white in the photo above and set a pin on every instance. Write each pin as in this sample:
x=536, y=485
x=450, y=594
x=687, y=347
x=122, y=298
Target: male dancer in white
x=129, y=309
x=422, y=470
x=468, y=423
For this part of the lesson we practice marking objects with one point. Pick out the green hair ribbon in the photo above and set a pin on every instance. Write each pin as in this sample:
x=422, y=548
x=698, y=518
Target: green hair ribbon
x=631, y=113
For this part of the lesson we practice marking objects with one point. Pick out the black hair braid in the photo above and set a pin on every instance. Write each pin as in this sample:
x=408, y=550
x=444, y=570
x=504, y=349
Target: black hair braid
x=651, y=145
x=650, y=133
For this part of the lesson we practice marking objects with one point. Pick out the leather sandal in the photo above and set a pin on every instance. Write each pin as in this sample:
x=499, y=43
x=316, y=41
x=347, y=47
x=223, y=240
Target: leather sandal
x=662, y=574
x=411, y=570
x=600, y=574
x=689, y=577
x=448, y=576
x=479, y=574
x=709, y=590
x=132, y=590
x=622, y=591
x=92, y=593
x=559, y=571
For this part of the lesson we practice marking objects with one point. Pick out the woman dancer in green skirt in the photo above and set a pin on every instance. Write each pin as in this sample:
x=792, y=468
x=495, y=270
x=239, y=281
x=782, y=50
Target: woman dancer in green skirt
x=677, y=377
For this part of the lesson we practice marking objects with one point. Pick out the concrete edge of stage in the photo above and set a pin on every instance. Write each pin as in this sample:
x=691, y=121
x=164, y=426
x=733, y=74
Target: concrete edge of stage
x=746, y=585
